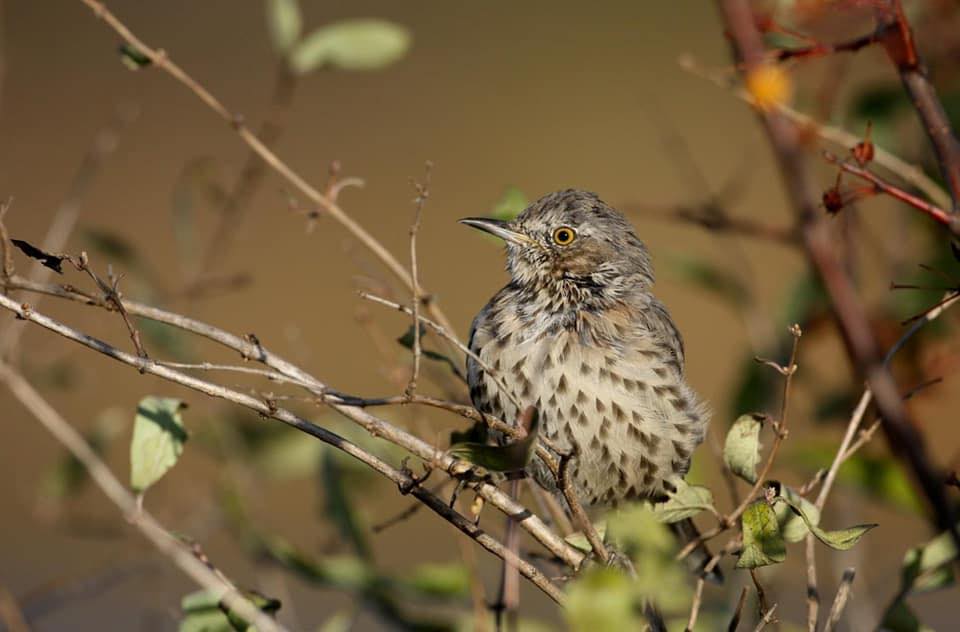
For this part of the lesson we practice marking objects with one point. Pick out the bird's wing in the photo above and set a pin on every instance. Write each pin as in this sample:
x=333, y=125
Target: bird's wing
x=658, y=322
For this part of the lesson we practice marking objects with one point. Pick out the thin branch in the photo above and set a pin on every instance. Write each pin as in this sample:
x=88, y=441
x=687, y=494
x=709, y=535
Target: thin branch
x=6, y=251
x=840, y=601
x=273, y=376
x=767, y=618
x=442, y=331
x=162, y=61
x=370, y=423
x=738, y=611
x=178, y=553
x=580, y=517
x=423, y=192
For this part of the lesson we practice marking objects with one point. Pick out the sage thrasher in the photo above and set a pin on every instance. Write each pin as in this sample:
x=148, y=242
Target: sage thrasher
x=578, y=334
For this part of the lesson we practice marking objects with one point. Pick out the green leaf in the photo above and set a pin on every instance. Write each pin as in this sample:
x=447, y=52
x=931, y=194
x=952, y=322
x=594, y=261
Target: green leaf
x=283, y=23
x=447, y=581
x=510, y=204
x=741, y=451
x=687, y=501
x=637, y=529
x=158, y=438
x=262, y=602
x=579, y=539
x=841, y=539
x=762, y=543
x=928, y=567
x=602, y=599
x=205, y=613
x=509, y=458
x=792, y=526
x=133, y=58
x=900, y=618
x=365, y=44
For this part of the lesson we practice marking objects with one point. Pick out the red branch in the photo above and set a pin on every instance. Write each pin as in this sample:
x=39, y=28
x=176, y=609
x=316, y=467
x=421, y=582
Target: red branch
x=951, y=221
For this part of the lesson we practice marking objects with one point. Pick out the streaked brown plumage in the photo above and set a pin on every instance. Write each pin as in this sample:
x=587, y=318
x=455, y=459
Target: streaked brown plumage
x=578, y=334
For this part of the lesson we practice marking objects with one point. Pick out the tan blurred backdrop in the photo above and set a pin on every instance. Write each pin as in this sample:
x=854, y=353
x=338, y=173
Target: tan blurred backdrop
x=538, y=95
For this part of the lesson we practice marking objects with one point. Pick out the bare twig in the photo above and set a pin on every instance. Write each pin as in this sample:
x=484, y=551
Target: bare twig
x=423, y=192
x=767, y=618
x=580, y=517
x=6, y=251
x=178, y=553
x=162, y=61
x=111, y=292
x=442, y=331
x=738, y=611
x=840, y=601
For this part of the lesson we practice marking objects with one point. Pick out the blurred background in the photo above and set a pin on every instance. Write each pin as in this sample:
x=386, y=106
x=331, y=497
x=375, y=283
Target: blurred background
x=509, y=101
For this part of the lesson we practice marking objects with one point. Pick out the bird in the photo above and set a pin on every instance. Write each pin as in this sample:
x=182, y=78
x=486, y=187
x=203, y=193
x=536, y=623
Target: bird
x=578, y=334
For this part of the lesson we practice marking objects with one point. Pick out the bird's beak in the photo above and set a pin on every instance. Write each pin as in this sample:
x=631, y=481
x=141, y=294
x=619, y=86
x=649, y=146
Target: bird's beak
x=496, y=227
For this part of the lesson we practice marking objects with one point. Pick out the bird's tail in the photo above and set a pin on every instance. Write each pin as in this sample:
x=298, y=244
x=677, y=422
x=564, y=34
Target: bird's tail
x=700, y=556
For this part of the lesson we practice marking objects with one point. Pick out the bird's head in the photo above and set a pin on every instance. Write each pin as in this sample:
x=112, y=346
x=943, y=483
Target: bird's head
x=572, y=243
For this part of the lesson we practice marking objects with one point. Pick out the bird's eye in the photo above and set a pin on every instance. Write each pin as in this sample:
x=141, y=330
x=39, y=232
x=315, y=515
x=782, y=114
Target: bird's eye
x=564, y=236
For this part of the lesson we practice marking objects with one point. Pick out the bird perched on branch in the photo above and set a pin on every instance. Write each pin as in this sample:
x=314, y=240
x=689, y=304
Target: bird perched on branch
x=578, y=334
